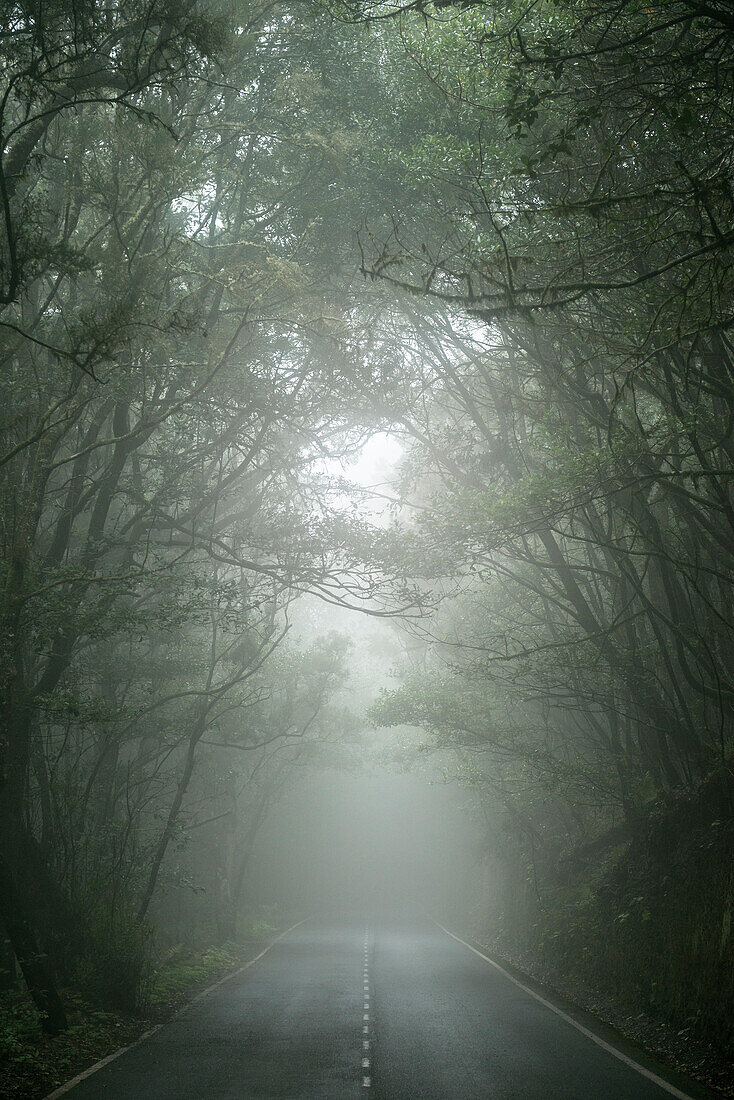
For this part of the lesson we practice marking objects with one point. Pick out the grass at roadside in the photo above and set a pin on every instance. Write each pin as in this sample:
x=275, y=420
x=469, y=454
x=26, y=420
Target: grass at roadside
x=32, y=1064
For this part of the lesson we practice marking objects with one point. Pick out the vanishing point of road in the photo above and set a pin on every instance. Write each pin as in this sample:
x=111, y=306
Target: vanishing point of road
x=391, y=1010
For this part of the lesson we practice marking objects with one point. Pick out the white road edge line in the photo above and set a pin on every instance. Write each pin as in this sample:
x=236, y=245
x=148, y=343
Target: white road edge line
x=62, y=1089
x=574, y=1023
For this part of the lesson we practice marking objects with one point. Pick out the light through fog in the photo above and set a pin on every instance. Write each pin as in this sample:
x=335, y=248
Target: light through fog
x=366, y=558
x=370, y=833
x=371, y=471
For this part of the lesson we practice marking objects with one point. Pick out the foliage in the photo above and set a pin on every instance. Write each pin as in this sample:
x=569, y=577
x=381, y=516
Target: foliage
x=540, y=197
x=655, y=931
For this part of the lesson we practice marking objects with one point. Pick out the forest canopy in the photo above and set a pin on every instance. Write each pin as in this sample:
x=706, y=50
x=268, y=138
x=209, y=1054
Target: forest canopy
x=237, y=241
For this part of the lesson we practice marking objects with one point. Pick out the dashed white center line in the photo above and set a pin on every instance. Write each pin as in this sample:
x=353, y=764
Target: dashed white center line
x=366, y=1079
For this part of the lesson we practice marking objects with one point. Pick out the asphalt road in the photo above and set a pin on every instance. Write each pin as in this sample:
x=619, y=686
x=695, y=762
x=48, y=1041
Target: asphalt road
x=397, y=1010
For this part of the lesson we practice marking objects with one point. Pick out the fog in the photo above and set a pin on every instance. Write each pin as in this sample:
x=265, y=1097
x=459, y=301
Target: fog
x=366, y=513
x=378, y=833
x=376, y=830
x=366, y=844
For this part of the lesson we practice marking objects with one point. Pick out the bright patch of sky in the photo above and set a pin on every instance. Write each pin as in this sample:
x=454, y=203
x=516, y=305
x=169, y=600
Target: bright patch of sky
x=377, y=461
x=371, y=473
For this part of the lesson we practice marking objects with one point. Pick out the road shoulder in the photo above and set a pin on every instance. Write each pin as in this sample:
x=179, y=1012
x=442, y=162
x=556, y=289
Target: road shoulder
x=692, y=1070
x=39, y=1067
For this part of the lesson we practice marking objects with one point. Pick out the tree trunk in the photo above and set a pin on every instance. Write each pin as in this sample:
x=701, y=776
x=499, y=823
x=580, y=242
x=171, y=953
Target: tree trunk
x=34, y=964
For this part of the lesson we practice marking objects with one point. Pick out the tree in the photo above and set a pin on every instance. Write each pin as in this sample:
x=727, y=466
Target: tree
x=167, y=391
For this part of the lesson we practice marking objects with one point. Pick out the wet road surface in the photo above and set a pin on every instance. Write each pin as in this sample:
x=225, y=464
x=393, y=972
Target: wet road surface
x=395, y=1010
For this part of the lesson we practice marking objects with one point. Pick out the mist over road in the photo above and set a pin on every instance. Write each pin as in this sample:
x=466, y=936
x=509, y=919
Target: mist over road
x=391, y=1008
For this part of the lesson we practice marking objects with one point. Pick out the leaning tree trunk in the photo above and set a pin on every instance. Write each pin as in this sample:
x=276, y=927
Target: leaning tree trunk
x=171, y=820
